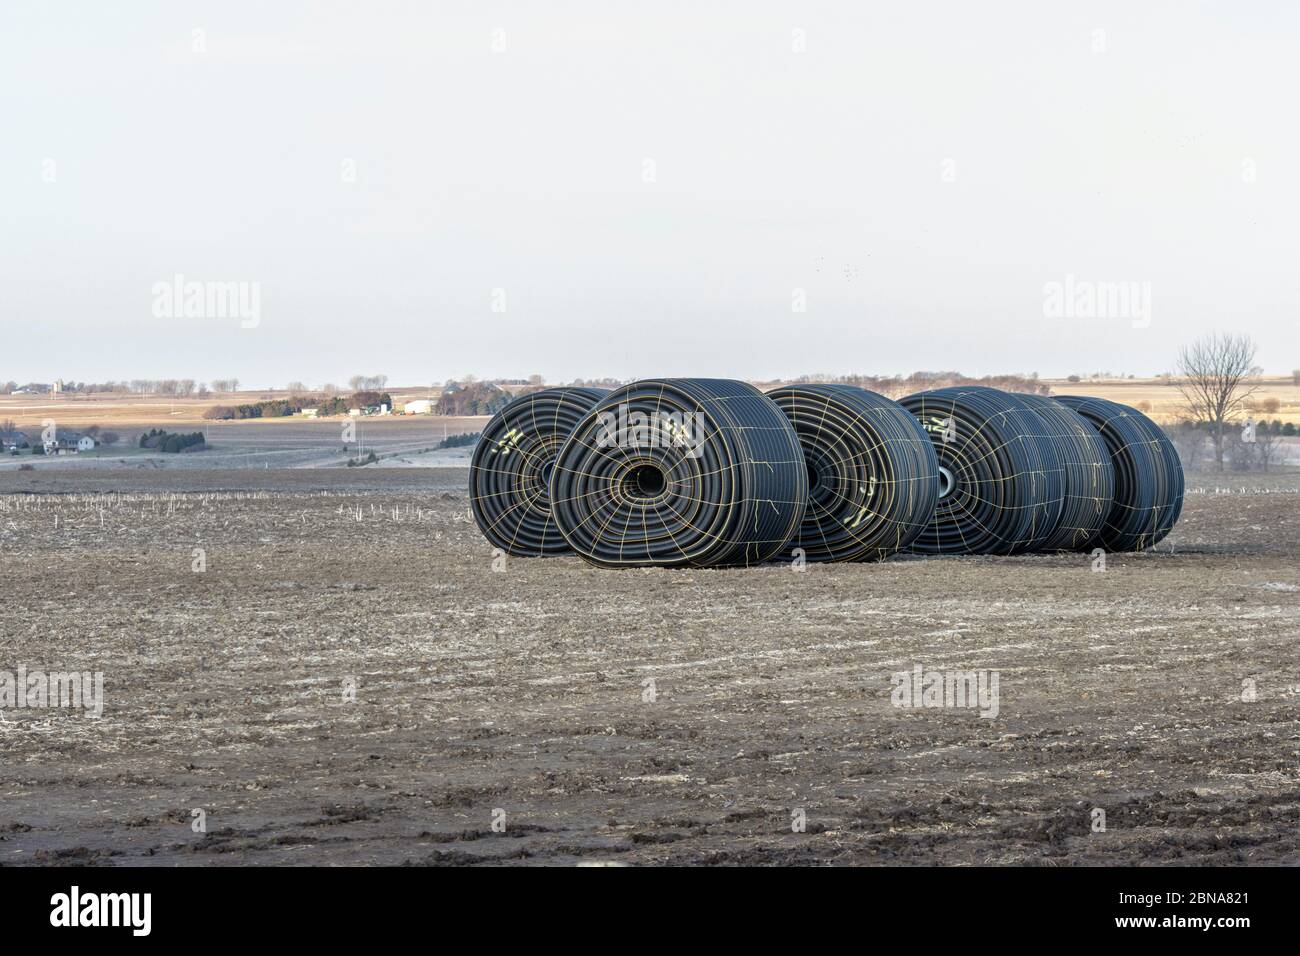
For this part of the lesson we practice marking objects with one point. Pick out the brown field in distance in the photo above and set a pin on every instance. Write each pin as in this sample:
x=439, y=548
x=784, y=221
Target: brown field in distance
x=1154, y=396
x=1161, y=400
x=107, y=409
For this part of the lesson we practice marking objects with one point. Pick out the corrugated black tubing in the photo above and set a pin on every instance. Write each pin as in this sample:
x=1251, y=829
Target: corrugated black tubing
x=1148, y=475
x=680, y=472
x=1001, y=488
x=873, y=478
x=509, y=474
x=1089, y=475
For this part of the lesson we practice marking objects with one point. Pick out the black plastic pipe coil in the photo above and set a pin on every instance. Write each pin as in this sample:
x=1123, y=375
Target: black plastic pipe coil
x=680, y=472
x=1001, y=482
x=1149, y=480
x=1087, y=470
x=509, y=474
x=873, y=478
x=712, y=473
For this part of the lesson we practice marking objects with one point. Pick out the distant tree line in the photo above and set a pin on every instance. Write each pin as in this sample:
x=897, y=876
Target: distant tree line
x=186, y=387
x=340, y=404
x=598, y=382
x=475, y=398
x=896, y=386
x=170, y=442
x=275, y=408
x=177, y=387
x=283, y=407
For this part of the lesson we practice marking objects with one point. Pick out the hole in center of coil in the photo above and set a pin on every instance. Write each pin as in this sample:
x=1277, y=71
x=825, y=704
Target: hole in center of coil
x=946, y=482
x=814, y=478
x=645, y=481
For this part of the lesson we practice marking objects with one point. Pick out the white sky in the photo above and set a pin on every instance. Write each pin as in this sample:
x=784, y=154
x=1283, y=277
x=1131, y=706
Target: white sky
x=523, y=171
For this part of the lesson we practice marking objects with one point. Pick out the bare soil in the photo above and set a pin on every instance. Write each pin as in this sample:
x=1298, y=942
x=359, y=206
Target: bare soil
x=523, y=695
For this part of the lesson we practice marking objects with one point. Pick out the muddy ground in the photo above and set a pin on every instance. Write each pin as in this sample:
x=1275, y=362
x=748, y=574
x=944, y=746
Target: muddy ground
x=1163, y=690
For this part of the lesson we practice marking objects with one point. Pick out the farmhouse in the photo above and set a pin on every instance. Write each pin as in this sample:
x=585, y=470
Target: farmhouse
x=13, y=440
x=68, y=443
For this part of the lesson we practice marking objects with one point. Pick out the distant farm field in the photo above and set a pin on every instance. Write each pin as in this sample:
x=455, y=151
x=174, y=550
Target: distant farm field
x=106, y=409
x=272, y=443
x=1153, y=396
x=1163, y=401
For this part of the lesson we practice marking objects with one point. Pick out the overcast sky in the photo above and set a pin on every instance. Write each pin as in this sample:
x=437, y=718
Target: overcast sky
x=644, y=189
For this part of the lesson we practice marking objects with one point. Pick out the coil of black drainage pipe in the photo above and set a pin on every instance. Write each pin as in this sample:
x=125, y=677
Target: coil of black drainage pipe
x=509, y=473
x=1149, y=483
x=873, y=477
x=1000, y=481
x=680, y=473
x=1086, y=467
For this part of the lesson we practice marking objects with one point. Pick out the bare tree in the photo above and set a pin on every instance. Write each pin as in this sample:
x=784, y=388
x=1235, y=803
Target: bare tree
x=296, y=388
x=367, y=383
x=1214, y=378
